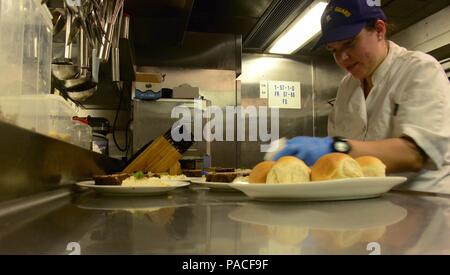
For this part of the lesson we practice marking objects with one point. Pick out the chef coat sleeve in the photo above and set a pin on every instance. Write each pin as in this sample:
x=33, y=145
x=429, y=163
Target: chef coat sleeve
x=423, y=111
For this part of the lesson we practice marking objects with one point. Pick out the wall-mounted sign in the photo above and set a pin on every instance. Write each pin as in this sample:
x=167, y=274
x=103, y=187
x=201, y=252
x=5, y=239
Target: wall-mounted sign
x=284, y=94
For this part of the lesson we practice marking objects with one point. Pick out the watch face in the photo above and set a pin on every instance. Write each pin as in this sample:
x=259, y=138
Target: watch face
x=341, y=146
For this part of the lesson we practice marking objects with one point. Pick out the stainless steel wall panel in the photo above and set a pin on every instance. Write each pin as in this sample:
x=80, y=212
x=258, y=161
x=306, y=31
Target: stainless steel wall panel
x=256, y=68
x=319, y=81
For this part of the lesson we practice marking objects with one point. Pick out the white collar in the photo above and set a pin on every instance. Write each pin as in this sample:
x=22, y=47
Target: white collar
x=384, y=67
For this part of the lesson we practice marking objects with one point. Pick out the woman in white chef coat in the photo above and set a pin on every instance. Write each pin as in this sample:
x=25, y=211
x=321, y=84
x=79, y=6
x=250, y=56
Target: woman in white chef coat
x=394, y=104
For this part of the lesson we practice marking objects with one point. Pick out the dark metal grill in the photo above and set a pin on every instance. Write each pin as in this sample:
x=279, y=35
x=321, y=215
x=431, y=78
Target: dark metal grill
x=276, y=18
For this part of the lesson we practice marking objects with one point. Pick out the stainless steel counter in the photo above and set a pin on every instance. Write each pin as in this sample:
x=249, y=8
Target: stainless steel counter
x=198, y=221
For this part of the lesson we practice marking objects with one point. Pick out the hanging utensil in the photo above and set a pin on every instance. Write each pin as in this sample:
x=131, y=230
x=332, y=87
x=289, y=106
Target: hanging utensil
x=84, y=56
x=60, y=23
x=105, y=47
x=125, y=28
x=68, y=46
x=90, y=35
x=115, y=58
x=75, y=28
x=82, y=87
x=72, y=7
x=96, y=4
x=113, y=12
x=83, y=11
x=63, y=68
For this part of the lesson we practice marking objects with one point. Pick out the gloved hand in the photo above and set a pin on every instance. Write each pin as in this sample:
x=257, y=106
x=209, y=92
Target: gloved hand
x=308, y=149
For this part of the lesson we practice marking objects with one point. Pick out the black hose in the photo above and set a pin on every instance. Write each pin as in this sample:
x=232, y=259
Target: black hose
x=115, y=122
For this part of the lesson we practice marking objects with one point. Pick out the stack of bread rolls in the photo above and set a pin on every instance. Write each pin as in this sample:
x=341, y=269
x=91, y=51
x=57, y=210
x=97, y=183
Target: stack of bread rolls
x=329, y=167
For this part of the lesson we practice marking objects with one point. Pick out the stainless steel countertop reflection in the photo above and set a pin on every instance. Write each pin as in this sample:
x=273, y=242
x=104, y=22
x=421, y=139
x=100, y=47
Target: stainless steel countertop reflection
x=200, y=221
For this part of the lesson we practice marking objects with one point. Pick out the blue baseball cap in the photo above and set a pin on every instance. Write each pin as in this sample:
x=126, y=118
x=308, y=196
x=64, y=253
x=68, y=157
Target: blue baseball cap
x=345, y=19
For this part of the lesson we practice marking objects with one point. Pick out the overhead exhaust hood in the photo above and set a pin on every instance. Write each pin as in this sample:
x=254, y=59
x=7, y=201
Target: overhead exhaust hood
x=158, y=23
x=159, y=30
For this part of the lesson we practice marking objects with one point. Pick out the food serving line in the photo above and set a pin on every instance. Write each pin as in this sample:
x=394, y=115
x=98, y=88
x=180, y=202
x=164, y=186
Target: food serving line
x=48, y=216
x=197, y=219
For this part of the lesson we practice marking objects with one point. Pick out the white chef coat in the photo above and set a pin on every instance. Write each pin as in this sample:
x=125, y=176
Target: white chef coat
x=410, y=96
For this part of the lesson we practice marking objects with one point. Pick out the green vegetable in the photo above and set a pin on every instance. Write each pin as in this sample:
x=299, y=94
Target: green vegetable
x=139, y=175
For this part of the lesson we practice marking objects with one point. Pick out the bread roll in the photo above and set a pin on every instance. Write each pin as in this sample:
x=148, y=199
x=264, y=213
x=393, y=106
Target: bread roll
x=372, y=166
x=335, y=166
x=289, y=170
x=260, y=171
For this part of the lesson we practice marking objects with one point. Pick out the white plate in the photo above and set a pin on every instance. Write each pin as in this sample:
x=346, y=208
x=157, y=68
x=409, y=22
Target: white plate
x=178, y=180
x=222, y=186
x=343, y=215
x=133, y=190
x=93, y=202
x=196, y=178
x=345, y=189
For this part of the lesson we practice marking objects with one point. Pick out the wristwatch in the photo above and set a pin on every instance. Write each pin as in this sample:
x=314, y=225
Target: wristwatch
x=341, y=145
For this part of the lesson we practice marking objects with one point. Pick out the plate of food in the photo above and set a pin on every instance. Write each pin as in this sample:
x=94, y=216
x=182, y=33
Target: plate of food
x=222, y=186
x=344, y=189
x=333, y=177
x=221, y=180
x=175, y=178
x=136, y=184
x=196, y=178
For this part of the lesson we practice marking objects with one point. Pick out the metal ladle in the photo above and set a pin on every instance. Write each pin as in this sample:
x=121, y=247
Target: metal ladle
x=63, y=68
x=82, y=87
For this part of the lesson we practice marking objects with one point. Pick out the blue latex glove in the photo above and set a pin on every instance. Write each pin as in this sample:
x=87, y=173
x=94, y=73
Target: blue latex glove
x=308, y=149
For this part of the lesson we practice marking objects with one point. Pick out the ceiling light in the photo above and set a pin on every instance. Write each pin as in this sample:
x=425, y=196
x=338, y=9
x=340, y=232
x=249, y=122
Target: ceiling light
x=305, y=28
